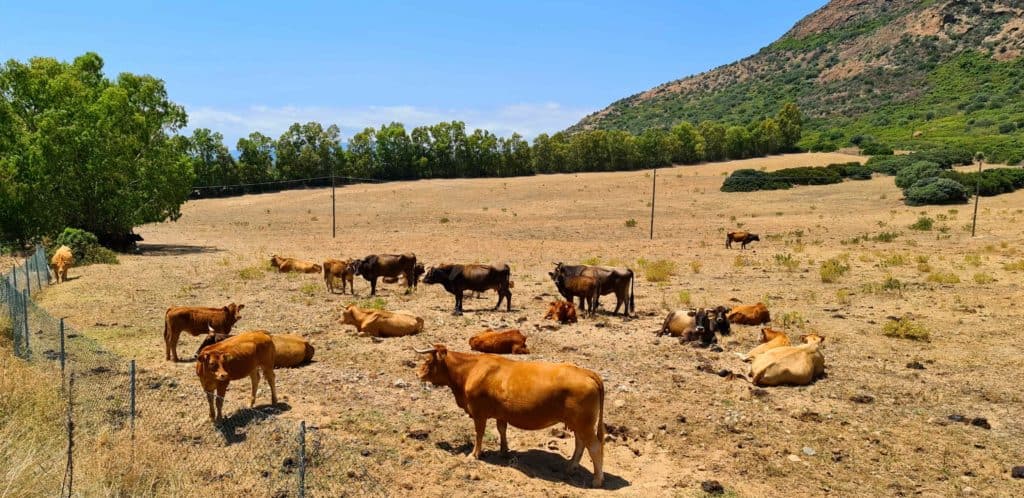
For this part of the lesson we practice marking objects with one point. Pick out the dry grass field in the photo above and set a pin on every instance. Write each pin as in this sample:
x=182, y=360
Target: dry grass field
x=872, y=427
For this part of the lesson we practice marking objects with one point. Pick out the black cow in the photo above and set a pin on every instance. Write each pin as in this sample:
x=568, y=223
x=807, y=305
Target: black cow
x=609, y=280
x=457, y=279
x=210, y=339
x=743, y=238
x=389, y=265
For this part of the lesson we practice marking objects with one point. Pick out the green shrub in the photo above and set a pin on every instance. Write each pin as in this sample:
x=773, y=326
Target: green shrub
x=1014, y=266
x=852, y=170
x=807, y=176
x=905, y=328
x=657, y=271
x=749, y=180
x=889, y=165
x=924, y=224
x=935, y=191
x=832, y=269
x=983, y=278
x=876, y=149
x=630, y=223
x=787, y=261
x=85, y=247
x=944, y=278
x=992, y=181
x=792, y=320
x=909, y=175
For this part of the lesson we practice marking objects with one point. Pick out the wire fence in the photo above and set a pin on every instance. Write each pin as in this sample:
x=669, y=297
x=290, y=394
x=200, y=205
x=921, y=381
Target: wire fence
x=275, y=186
x=127, y=431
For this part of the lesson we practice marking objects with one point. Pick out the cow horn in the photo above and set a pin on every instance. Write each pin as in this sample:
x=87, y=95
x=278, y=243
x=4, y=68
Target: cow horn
x=421, y=351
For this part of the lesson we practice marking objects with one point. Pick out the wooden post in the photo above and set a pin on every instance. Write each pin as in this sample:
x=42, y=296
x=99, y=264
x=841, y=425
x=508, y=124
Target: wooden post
x=654, y=186
x=334, y=221
x=977, y=195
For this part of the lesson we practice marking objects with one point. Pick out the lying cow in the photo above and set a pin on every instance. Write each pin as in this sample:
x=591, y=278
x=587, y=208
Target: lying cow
x=378, y=323
x=770, y=339
x=339, y=269
x=285, y=265
x=234, y=358
x=609, y=280
x=789, y=365
x=196, y=320
x=584, y=287
x=530, y=395
x=456, y=279
x=389, y=265
x=290, y=350
x=743, y=238
x=62, y=259
x=749, y=314
x=693, y=324
x=562, y=311
x=508, y=341
x=418, y=272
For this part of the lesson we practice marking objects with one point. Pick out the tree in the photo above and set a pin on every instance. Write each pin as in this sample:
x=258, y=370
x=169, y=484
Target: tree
x=211, y=161
x=767, y=137
x=78, y=149
x=654, y=148
x=256, y=158
x=308, y=150
x=790, y=126
x=738, y=143
x=395, y=153
x=362, y=154
x=515, y=156
x=714, y=140
x=691, y=144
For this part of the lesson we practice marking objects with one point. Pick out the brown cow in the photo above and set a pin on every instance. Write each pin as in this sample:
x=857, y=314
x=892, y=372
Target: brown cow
x=456, y=279
x=609, y=280
x=196, y=320
x=290, y=350
x=563, y=311
x=62, y=259
x=285, y=265
x=342, y=270
x=236, y=357
x=789, y=365
x=375, y=266
x=584, y=287
x=508, y=341
x=770, y=339
x=743, y=238
x=749, y=314
x=688, y=325
x=379, y=323
x=529, y=395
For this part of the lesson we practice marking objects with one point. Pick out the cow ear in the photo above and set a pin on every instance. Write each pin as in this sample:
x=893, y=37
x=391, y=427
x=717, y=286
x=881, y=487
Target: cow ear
x=440, y=351
x=226, y=309
x=240, y=306
x=803, y=338
x=821, y=338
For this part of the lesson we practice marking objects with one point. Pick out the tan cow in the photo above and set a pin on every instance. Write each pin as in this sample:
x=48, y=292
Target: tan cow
x=60, y=262
x=379, y=323
x=340, y=269
x=508, y=341
x=562, y=311
x=291, y=350
x=749, y=314
x=234, y=358
x=529, y=395
x=770, y=339
x=196, y=320
x=285, y=265
x=789, y=365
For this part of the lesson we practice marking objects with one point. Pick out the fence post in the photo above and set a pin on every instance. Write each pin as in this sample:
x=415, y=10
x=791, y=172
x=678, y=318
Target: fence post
x=62, y=347
x=15, y=308
x=40, y=264
x=654, y=186
x=14, y=273
x=26, y=297
x=69, y=469
x=28, y=279
x=131, y=397
x=302, y=459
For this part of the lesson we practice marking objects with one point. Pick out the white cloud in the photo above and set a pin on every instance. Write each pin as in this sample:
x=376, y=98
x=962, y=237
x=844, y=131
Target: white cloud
x=528, y=120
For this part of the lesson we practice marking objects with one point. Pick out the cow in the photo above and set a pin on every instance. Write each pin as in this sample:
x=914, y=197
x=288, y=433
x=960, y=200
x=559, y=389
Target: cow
x=418, y=271
x=770, y=339
x=290, y=350
x=379, y=323
x=196, y=320
x=584, y=287
x=375, y=266
x=789, y=365
x=285, y=265
x=562, y=311
x=688, y=325
x=234, y=358
x=609, y=280
x=508, y=341
x=743, y=238
x=62, y=259
x=749, y=314
x=339, y=269
x=529, y=395
x=456, y=279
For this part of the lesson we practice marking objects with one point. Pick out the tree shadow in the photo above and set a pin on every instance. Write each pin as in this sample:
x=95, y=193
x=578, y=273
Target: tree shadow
x=229, y=427
x=539, y=464
x=174, y=249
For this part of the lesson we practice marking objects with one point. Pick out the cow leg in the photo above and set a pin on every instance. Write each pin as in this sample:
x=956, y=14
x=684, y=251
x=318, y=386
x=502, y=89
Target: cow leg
x=503, y=434
x=501, y=295
x=481, y=426
x=458, y=303
x=577, y=454
x=373, y=286
x=268, y=373
x=596, y=451
x=508, y=299
x=174, y=335
x=209, y=401
x=222, y=389
x=255, y=378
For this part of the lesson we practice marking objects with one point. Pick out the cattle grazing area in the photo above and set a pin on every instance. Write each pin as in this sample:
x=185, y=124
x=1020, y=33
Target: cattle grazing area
x=917, y=332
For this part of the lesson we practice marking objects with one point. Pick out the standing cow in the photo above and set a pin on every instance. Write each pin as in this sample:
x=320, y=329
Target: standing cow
x=237, y=357
x=530, y=395
x=457, y=279
x=62, y=259
x=581, y=286
x=609, y=280
x=389, y=265
x=743, y=238
x=339, y=269
x=196, y=320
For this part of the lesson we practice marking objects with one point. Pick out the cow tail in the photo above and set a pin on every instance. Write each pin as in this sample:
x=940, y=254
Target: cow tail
x=600, y=412
x=632, y=302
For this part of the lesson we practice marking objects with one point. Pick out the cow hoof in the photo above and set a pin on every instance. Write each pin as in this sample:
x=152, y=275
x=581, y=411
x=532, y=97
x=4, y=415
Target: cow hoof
x=457, y=313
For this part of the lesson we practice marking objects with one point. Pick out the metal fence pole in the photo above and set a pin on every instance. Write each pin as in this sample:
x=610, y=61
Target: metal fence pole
x=28, y=279
x=62, y=354
x=26, y=296
x=131, y=398
x=40, y=264
x=302, y=459
x=15, y=308
x=14, y=274
x=654, y=186
x=69, y=469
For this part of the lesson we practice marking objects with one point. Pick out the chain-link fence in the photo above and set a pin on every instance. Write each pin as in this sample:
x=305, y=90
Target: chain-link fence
x=128, y=431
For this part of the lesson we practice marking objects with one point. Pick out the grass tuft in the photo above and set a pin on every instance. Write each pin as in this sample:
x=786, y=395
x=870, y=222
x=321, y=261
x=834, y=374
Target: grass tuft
x=905, y=328
x=832, y=269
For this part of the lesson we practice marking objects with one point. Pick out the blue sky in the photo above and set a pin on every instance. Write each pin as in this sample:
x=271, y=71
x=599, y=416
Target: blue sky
x=528, y=66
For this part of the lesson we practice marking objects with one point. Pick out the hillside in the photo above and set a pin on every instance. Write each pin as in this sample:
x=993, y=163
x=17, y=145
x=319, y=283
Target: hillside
x=909, y=72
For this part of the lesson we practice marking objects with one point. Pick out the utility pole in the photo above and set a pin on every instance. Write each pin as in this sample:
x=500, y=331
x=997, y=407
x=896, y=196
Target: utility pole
x=980, y=157
x=654, y=185
x=334, y=221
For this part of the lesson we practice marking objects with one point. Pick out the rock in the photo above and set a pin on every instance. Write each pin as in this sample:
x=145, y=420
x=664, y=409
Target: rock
x=957, y=418
x=681, y=419
x=809, y=417
x=981, y=422
x=967, y=491
x=916, y=365
x=365, y=453
x=401, y=384
x=1017, y=472
x=712, y=487
x=715, y=348
x=794, y=458
x=809, y=451
x=656, y=342
x=409, y=364
x=839, y=316
x=376, y=340
x=724, y=372
x=521, y=319
x=758, y=392
x=662, y=427
x=862, y=398
x=619, y=403
x=559, y=433
x=418, y=434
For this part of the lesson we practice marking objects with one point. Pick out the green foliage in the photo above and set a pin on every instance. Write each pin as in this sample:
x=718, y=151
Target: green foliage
x=989, y=182
x=909, y=175
x=657, y=271
x=85, y=247
x=935, y=191
x=1014, y=265
x=749, y=180
x=944, y=278
x=787, y=261
x=832, y=269
x=905, y=328
x=377, y=303
x=923, y=223
x=983, y=278
x=631, y=223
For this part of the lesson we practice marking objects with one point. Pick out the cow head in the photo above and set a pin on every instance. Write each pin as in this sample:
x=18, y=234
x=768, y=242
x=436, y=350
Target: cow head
x=719, y=321
x=434, y=369
x=231, y=312
x=318, y=268
x=812, y=338
x=348, y=316
x=553, y=308
x=210, y=366
x=753, y=237
x=417, y=272
x=768, y=333
x=276, y=260
x=435, y=275
x=210, y=340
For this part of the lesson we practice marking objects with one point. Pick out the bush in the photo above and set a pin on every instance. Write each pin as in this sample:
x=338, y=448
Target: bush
x=909, y=175
x=944, y=278
x=923, y=224
x=1005, y=128
x=992, y=182
x=889, y=165
x=876, y=149
x=85, y=246
x=832, y=269
x=749, y=180
x=905, y=328
x=657, y=271
x=983, y=278
x=852, y=170
x=935, y=191
x=630, y=223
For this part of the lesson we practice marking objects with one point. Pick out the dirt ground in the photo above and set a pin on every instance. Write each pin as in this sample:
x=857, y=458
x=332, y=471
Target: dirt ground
x=872, y=427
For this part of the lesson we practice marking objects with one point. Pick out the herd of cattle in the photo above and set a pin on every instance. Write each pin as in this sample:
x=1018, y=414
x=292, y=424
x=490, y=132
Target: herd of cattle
x=529, y=395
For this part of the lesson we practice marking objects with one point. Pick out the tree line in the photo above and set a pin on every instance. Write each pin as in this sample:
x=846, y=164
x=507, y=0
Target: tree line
x=448, y=150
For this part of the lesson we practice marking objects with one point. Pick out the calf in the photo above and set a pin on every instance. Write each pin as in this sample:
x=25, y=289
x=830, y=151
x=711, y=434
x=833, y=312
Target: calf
x=609, y=280
x=456, y=279
x=584, y=287
x=508, y=341
x=380, y=323
x=749, y=314
x=234, y=358
x=339, y=269
x=743, y=238
x=770, y=339
x=285, y=265
x=196, y=320
x=562, y=311
x=789, y=365
x=62, y=259
x=688, y=325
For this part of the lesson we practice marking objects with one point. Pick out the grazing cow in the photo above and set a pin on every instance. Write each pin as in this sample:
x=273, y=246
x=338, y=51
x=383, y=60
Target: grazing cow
x=60, y=262
x=473, y=277
x=285, y=265
x=583, y=286
x=609, y=280
x=770, y=339
x=743, y=238
x=563, y=311
x=529, y=395
x=508, y=341
x=749, y=314
x=389, y=265
x=688, y=325
x=380, y=323
x=290, y=350
x=342, y=270
x=196, y=320
x=234, y=358
x=789, y=365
